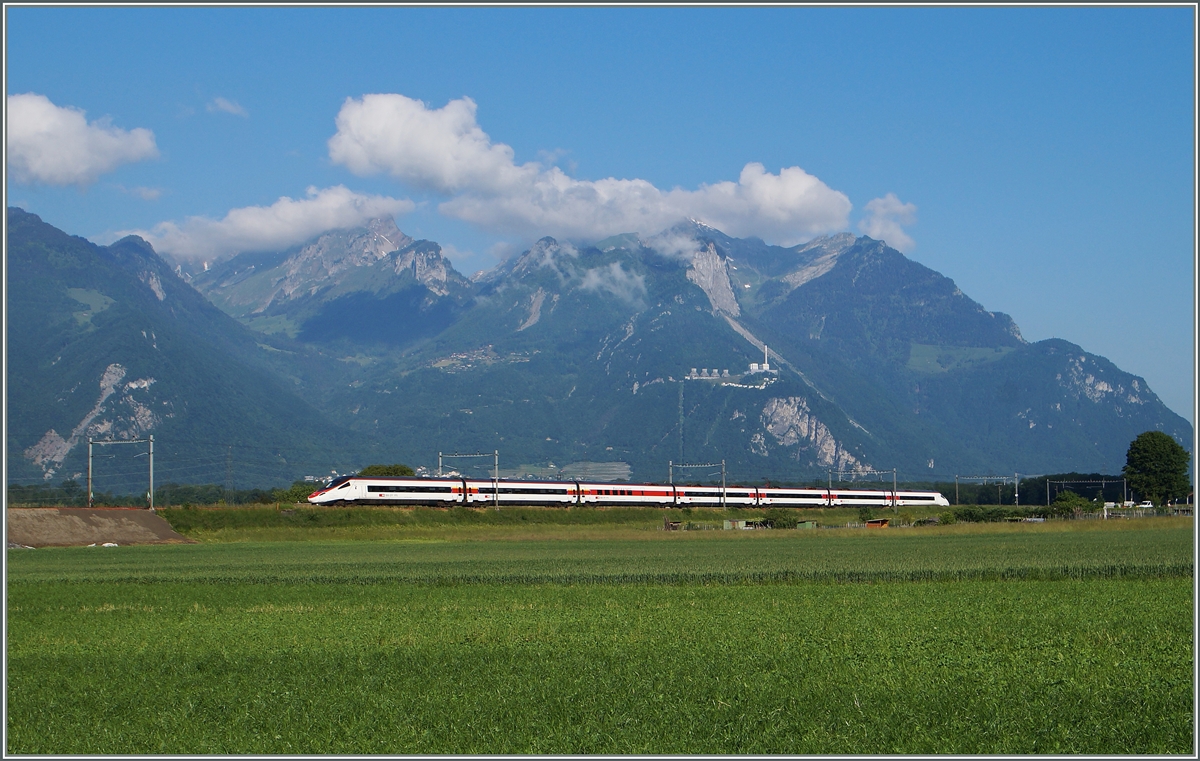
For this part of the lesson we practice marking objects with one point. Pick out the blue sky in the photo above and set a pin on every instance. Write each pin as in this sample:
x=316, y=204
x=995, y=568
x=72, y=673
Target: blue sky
x=1043, y=158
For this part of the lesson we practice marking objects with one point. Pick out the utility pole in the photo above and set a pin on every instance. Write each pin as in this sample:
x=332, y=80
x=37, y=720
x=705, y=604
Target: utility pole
x=152, y=472
x=722, y=484
x=1016, y=490
x=92, y=442
x=681, y=420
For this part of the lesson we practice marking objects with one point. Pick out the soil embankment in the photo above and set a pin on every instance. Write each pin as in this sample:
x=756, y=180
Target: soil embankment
x=76, y=526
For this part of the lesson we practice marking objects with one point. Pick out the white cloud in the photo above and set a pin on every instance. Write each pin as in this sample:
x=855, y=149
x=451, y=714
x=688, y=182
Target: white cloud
x=887, y=217
x=614, y=279
x=442, y=149
x=445, y=150
x=673, y=245
x=502, y=249
x=142, y=192
x=284, y=223
x=53, y=145
x=228, y=106
x=456, y=254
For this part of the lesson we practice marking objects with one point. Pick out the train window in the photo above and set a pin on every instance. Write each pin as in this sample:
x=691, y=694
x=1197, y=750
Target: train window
x=411, y=489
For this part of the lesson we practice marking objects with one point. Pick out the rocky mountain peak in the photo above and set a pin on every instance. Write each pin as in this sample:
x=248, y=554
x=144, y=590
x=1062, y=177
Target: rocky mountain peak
x=424, y=261
x=548, y=253
x=829, y=244
x=336, y=252
x=353, y=247
x=822, y=255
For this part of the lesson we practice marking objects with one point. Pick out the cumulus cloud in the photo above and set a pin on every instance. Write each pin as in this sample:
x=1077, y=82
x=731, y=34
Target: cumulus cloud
x=445, y=150
x=456, y=254
x=285, y=223
x=614, y=279
x=437, y=149
x=228, y=106
x=53, y=145
x=885, y=220
x=673, y=244
x=142, y=192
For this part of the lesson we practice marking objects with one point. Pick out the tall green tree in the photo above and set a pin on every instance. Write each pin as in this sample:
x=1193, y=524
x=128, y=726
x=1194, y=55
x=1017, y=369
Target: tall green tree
x=1157, y=467
x=386, y=470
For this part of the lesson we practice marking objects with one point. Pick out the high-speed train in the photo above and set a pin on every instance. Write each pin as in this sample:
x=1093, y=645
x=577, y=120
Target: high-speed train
x=389, y=490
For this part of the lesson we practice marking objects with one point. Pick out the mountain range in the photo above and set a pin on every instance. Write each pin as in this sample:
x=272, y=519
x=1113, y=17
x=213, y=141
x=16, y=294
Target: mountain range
x=616, y=359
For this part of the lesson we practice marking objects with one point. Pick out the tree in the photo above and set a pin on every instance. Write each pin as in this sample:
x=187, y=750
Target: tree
x=1067, y=502
x=297, y=492
x=386, y=470
x=1157, y=467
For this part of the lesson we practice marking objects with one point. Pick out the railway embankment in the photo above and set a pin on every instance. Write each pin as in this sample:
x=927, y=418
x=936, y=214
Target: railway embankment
x=82, y=526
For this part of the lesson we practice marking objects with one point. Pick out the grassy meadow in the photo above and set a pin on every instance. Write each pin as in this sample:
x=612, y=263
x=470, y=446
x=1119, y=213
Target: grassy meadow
x=608, y=637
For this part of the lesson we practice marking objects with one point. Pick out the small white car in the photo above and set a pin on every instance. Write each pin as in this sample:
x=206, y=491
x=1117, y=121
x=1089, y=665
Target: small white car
x=1145, y=504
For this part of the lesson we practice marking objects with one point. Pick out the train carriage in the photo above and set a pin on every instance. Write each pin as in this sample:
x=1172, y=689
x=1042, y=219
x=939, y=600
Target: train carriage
x=634, y=495
x=792, y=497
x=390, y=490
x=519, y=492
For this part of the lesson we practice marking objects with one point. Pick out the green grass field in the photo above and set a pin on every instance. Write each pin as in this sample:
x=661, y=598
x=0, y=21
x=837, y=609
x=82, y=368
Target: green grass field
x=1052, y=638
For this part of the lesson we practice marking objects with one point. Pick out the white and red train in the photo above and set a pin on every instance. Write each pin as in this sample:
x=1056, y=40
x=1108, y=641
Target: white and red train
x=388, y=490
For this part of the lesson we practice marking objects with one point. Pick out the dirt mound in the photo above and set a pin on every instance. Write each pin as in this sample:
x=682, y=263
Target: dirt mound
x=74, y=526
